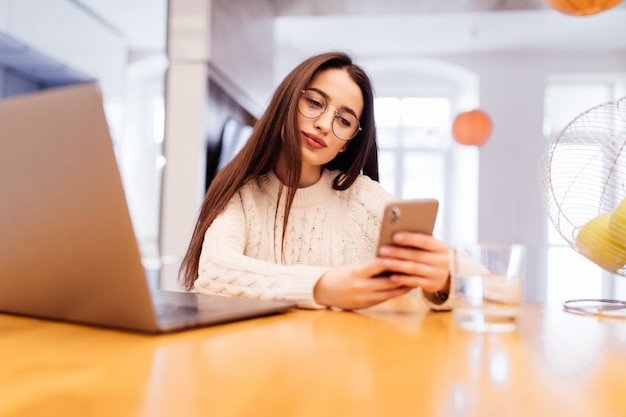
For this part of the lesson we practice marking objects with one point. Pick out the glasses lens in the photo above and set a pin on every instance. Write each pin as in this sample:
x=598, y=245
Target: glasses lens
x=345, y=125
x=311, y=104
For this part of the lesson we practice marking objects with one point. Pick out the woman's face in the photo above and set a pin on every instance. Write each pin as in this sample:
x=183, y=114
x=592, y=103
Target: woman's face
x=320, y=143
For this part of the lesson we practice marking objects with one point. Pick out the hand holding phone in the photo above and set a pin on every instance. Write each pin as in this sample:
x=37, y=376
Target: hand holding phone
x=410, y=216
x=407, y=215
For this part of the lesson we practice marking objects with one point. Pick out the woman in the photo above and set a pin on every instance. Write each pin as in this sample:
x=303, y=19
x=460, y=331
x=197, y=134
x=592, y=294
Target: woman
x=296, y=214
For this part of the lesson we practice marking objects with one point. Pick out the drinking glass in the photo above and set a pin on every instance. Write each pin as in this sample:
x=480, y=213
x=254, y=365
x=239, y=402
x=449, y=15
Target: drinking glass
x=488, y=281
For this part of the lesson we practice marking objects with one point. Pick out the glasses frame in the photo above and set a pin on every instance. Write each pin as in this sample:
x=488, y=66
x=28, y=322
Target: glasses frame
x=358, y=122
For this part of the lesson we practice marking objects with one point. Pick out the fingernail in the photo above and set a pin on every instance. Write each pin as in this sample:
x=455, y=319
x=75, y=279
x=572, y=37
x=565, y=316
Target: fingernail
x=398, y=237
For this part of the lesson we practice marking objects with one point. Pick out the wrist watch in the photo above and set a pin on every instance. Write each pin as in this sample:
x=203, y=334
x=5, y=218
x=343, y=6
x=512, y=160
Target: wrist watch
x=440, y=297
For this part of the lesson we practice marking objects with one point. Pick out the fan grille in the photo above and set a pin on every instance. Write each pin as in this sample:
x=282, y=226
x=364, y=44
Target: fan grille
x=583, y=173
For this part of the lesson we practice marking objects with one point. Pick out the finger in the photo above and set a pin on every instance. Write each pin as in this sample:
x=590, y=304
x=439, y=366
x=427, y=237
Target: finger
x=369, y=269
x=378, y=284
x=420, y=241
x=426, y=283
x=429, y=267
x=386, y=295
x=374, y=298
x=412, y=281
x=416, y=255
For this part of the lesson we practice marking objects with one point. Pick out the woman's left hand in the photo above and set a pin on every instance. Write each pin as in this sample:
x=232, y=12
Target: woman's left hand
x=418, y=260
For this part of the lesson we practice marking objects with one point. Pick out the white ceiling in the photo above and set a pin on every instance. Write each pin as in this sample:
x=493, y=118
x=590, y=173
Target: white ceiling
x=456, y=33
x=376, y=27
x=378, y=7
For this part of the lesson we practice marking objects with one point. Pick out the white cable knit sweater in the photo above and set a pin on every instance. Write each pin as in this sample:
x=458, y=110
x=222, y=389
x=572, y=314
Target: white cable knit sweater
x=241, y=253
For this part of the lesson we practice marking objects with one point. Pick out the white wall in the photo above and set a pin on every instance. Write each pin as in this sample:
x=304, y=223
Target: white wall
x=512, y=92
x=69, y=35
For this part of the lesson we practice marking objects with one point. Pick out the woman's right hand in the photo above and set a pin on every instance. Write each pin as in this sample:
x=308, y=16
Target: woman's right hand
x=352, y=287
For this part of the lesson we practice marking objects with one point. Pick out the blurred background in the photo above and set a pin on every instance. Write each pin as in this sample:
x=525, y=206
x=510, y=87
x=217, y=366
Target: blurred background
x=184, y=80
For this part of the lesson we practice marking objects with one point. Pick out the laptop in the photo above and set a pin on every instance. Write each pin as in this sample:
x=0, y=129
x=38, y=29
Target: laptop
x=68, y=250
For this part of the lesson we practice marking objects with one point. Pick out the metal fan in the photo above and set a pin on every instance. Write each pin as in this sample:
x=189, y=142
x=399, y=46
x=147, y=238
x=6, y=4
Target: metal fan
x=583, y=185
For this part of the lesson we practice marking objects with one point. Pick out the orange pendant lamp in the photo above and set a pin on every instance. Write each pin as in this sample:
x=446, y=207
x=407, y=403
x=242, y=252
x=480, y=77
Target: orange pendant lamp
x=581, y=7
x=472, y=127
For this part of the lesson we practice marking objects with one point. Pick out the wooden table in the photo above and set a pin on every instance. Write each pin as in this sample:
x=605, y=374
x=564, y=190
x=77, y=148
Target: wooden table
x=396, y=360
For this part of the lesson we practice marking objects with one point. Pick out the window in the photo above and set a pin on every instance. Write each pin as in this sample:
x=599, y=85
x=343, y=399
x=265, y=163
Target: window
x=414, y=139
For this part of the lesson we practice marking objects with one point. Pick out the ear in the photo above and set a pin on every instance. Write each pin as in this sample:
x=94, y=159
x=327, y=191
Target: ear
x=343, y=148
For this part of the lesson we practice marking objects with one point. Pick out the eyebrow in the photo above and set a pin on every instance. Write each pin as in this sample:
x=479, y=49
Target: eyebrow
x=343, y=108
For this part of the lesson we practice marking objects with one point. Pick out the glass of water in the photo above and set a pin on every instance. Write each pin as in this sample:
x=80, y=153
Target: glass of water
x=488, y=281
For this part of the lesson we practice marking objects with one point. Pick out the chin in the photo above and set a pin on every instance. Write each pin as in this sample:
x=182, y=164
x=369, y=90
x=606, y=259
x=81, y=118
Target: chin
x=312, y=158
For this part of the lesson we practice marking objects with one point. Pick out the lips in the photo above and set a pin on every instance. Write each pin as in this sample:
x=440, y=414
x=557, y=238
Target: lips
x=314, y=141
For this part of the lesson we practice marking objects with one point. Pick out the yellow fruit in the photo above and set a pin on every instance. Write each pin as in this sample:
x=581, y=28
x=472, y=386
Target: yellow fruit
x=618, y=223
x=597, y=243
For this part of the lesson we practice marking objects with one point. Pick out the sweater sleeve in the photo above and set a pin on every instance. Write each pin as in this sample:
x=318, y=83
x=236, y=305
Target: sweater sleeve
x=225, y=269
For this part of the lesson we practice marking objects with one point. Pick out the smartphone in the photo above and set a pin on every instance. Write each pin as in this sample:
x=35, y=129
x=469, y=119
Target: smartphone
x=407, y=215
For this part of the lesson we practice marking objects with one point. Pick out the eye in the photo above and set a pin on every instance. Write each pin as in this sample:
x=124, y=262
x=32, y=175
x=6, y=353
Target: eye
x=345, y=119
x=313, y=103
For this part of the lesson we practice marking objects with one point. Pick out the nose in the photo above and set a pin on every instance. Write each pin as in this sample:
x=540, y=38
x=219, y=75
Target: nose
x=324, y=122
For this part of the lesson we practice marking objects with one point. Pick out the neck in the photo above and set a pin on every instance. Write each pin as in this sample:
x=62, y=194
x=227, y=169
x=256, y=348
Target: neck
x=310, y=174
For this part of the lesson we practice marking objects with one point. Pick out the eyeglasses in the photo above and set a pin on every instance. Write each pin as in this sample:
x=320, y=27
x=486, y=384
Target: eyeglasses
x=313, y=104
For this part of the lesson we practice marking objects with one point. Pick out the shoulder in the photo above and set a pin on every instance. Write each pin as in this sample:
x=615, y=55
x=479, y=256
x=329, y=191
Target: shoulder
x=256, y=189
x=366, y=192
x=365, y=187
x=363, y=182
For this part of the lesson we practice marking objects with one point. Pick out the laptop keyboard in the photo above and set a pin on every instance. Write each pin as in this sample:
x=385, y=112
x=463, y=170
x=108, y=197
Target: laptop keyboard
x=174, y=313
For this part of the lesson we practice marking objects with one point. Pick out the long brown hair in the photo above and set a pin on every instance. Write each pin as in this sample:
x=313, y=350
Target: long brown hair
x=277, y=131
